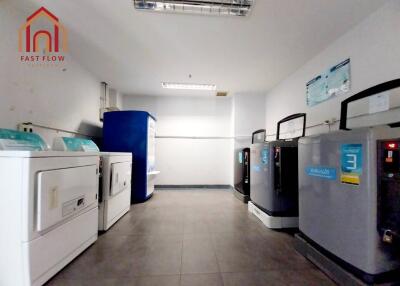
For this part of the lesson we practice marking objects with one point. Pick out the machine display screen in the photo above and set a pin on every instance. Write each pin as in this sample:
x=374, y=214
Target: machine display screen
x=391, y=160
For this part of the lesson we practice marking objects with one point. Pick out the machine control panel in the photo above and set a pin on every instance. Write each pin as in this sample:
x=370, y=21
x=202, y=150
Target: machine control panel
x=73, y=206
x=391, y=165
x=389, y=191
x=246, y=167
x=74, y=144
x=277, y=169
x=13, y=140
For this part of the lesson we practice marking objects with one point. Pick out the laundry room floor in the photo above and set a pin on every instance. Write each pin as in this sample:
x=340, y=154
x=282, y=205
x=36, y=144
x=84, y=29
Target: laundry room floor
x=190, y=238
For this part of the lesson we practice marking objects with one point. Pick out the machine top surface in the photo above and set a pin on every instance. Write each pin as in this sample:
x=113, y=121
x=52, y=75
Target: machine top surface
x=285, y=143
x=137, y=112
x=376, y=132
x=116, y=154
x=45, y=154
x=281, y=142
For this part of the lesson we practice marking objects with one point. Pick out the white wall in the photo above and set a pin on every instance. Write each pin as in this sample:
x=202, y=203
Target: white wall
x=374, y=49
x=190, y=161
x=248, y=116
x=114, y=98
x=44, y=95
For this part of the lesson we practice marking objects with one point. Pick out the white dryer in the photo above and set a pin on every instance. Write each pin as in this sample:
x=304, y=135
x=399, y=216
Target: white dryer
x=48, y=208
x=115, y=179
x=115, y=189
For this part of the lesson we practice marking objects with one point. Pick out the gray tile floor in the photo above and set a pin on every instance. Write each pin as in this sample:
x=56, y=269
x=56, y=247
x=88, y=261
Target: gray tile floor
x=190, y=238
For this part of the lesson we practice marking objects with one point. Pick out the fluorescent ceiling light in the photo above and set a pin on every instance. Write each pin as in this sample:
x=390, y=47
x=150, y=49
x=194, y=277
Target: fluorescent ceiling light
x=208, y=7
x=191, y=86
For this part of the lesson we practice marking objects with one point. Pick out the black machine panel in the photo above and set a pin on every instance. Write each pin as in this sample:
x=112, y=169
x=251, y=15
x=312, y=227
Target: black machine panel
x=242, y=171
x=286, y=176
x=285, y=193
x=389, y=191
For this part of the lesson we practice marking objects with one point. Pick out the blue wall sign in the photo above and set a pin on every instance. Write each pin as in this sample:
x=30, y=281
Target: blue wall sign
x=327, y=173
x=333, y=82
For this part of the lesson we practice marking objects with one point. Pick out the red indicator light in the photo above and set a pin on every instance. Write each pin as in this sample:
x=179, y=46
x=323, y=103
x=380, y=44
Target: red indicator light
x=391, y=145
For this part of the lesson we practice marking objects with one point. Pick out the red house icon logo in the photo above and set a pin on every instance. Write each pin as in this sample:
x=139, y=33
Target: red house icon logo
x=55, y=39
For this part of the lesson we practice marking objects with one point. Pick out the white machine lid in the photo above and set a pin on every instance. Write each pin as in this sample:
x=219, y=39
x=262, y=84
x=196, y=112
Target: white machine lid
x=45, y=154
x=115, y=154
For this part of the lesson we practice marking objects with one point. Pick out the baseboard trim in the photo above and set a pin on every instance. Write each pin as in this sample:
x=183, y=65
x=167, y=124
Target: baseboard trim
x=220, y=187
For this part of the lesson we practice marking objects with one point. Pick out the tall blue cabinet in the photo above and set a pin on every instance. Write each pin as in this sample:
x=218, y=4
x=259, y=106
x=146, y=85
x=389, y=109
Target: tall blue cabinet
x=134, y=132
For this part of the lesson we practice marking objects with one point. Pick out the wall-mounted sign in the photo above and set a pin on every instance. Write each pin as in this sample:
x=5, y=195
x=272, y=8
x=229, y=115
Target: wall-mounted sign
x=335, y=81
x=42, y=39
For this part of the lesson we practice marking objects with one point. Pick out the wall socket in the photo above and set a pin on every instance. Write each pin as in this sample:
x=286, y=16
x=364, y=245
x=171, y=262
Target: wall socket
x=25, y=127
x=330, y=121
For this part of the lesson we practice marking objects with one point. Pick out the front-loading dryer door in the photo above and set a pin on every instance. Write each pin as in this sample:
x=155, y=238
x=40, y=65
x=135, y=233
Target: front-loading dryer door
x=120, y=177
x=62, y=193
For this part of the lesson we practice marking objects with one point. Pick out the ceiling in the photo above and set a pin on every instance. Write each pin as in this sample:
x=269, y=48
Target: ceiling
x=134, y=51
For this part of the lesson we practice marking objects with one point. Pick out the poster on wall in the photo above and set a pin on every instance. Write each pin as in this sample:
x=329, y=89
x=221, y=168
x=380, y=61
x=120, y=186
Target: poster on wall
x=316, y=90
x=335, y=81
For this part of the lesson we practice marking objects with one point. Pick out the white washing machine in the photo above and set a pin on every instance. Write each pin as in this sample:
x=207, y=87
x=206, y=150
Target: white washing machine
x=115, y=191
x=49, y=210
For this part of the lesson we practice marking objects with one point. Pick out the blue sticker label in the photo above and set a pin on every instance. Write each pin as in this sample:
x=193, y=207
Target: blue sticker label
x=351, y=158
x=240, y=157
x=257, y=168
x=264, y=156
x=327, y=173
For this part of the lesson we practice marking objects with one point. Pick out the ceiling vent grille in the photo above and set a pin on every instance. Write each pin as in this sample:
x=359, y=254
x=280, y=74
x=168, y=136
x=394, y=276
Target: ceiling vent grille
x=205, y=7
x=222, y=93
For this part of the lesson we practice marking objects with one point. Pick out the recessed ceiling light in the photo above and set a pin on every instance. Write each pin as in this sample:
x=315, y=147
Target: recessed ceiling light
x=191, y=86
x=208, y=7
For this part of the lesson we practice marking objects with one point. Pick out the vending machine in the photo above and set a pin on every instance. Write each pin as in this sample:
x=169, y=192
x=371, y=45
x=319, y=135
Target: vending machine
x=349, y=180
x=134, y=132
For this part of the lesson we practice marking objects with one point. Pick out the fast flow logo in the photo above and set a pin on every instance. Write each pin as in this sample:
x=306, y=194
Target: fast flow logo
x=42, y=39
